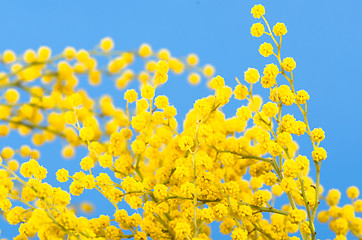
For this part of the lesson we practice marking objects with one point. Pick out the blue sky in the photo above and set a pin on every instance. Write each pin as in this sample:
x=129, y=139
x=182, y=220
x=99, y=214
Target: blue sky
x=324, y=37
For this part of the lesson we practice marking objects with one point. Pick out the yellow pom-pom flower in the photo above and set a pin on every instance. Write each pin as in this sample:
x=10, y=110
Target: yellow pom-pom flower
x=279, y=29
x=241, y=92
x=194, y=78
x=161, y=102
x=95, y=77
x=162, y=67
x=318, y=134
x=138, y=146
x=69, y=53
x=13, y=165
x=160, y=191
x=353, y=192
x=333, y=197
x=164, y=54
x=68, y=151
x=270, y=109
x=7, y=153
x=319, y=154
x=106, y=44
x=192, y=59
x=29, y=56
x=8, y=56
x=147, y=91
x=208, y=70
x=302, y=96
x=288, y=64
x=105, y=160
x=11, y=95
x=145, y=50
x=257, y=30
x=217, y=82
x=130, y=95
x=86, y=133
x=87, y=163
x=185, y=142
x=87, y=207
x=239, y=234
x=62, y=175
x=44, y=54
x=258, y=11
x=251, y=75
x=266, y=49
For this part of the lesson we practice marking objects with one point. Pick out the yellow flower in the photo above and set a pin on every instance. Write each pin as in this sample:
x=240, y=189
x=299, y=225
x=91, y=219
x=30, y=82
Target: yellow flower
x=261, y=197
x=271, y=70
x=29, y=56
x=185, y=142
x=106, y=44
x=86, y=133
x=160, y=191
x=296, y=216
x=279, y=29
x=288, y=64
x=353, y=192
x=25, y=151
x=192, y=59
x=220, y=211
x=244, y=113
x=82, y=56
x=44, y=54
x=302, y=96
x=257, y=30
x=240, y=92
x=277, y=190
x=288, y=185
x=266, y=49
x=130, y=95
x=70, y=117
x=208, y=70
x=239, y=234
x=138, y=146
x=105, y=160
x=323, y=216
x=164, y=54
x=87, y=207
x=13, y=165
x=7, y=153
x=258, y=11
x=333, y=197
x=8, y=56
x=161, y=102
x=319, y=154
x=318, y=134
x=68, y=151
x=4, y=130
x=270, y=109
x=251, y=75
x=15, y=215
x=95, y=77
x=69, y=53
x=305, y=228
x=147, y=91
x=194, y=78
x=145, y=50
x=217, y=82
x=162, y=67
x=11, y=95
x=87, y=163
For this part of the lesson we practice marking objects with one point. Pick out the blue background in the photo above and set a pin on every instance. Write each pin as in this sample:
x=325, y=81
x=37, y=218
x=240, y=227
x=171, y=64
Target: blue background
x=324, y=37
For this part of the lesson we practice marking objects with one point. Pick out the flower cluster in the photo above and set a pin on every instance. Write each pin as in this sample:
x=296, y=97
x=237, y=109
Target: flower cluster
x=180, y=181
